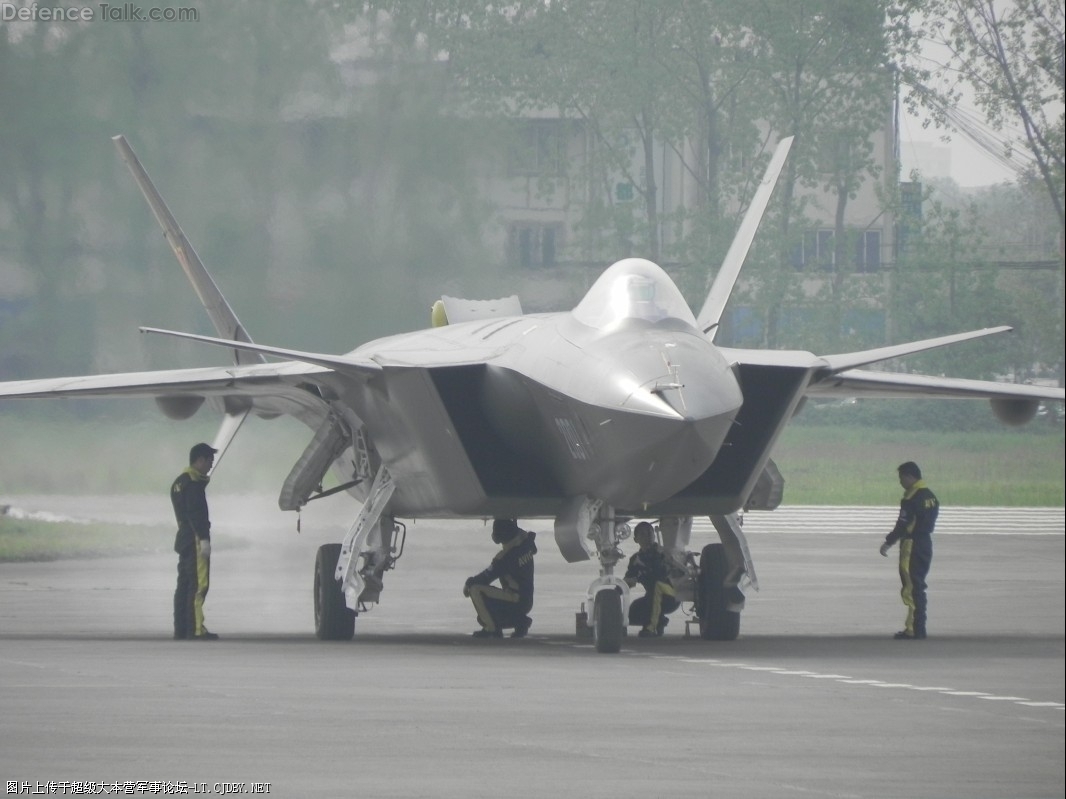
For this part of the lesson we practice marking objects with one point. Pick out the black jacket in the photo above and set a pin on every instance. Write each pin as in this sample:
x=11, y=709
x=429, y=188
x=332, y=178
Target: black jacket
x=188, y=494
x=513, y=567
x=917, y=514
x=648, y=567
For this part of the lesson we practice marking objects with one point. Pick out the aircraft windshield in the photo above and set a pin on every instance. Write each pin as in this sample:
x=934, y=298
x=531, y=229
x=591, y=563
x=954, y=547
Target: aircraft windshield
x=632, y=289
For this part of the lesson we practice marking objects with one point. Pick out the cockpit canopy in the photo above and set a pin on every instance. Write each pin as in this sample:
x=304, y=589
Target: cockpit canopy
x=632, y=289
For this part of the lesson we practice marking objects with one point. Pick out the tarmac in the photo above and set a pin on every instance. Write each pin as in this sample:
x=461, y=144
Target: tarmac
x=815, y=699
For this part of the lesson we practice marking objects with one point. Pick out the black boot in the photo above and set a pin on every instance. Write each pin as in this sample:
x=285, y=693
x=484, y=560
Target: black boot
x=522, y=627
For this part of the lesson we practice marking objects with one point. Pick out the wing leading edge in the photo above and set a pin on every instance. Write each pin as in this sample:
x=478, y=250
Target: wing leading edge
x=344, y=364
x=840, y=376
x=266, y=388
x=892, y=385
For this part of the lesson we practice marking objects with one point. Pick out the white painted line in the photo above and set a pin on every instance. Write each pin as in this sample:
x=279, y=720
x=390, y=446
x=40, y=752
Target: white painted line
x=1059, y=705
x=764, y=668
x=845, y=680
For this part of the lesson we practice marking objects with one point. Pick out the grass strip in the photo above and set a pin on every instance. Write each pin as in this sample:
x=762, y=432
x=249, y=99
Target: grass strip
x=34, y=540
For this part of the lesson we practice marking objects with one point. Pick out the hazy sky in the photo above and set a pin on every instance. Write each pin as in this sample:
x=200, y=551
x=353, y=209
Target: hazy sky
x=970, y=165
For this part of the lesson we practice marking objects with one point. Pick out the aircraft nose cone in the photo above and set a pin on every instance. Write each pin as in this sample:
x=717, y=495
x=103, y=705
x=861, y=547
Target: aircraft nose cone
x=684, y=372
x=683, y=400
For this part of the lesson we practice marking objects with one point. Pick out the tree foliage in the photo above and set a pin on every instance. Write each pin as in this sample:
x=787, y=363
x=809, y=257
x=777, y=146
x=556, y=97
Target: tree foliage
x=1007, y=57
x=328, y=160
x=714, y=83
x=305, y=188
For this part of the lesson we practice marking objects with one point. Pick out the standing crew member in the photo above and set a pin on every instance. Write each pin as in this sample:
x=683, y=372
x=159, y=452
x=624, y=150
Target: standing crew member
x=650, y=567
x=188, y=494
x=914, y=530
x=507, y=606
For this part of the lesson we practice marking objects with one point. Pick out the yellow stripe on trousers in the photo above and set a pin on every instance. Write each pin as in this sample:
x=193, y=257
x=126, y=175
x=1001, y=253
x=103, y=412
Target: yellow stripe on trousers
x=477, y=594
x=907, y=592
x=203, y=581
x=657, y=605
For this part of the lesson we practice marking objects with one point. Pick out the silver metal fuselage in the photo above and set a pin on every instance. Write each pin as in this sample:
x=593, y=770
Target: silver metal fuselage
x=517, y=415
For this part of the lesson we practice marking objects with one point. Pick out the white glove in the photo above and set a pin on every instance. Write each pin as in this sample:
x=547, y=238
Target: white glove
x=884, y=548
x=204, y=547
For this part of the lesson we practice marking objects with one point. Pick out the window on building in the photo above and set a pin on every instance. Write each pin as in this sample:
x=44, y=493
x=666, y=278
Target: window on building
x=539, y=149
x=868, y=251
x=818, y=251
x=533, y=245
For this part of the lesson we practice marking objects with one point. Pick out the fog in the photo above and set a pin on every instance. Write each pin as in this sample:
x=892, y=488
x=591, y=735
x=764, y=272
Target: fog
x=330, y=175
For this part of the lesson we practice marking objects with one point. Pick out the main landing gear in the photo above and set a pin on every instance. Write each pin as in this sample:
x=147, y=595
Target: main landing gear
x=349, y=576
x=725, y=569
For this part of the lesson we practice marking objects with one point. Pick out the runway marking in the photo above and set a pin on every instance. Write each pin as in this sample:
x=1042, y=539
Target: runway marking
x=848, y=520
x=1059, y=705
x=846, y=680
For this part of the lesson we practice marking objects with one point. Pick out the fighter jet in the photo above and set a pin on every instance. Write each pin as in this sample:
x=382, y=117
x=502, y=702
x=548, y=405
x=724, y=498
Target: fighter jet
x=623, y=408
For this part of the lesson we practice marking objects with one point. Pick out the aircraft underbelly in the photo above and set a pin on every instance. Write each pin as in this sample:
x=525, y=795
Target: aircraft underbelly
x=471, y=441
x=628, y=459
x=610, y=452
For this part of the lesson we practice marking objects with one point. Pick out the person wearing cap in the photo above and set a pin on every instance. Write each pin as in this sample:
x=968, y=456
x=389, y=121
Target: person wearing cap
x=914, y=531
x=506, y=606
x=188, y=494
x=650, y=567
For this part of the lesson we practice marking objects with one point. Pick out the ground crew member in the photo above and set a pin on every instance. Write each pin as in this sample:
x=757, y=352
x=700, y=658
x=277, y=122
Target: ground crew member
x=506, y=606
x=650, y=566
x=188, y=494
x=914, y=530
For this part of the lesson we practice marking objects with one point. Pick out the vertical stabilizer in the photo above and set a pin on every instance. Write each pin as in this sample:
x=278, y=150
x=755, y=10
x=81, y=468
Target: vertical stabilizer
x=711, y=313
x=222, y=316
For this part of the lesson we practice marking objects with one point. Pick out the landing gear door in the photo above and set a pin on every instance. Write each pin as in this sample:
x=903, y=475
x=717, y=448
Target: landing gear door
x=572, y=527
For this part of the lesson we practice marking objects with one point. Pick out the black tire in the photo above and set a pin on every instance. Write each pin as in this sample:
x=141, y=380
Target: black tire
x=607, y=623
x=334, y=621
x=717, y=623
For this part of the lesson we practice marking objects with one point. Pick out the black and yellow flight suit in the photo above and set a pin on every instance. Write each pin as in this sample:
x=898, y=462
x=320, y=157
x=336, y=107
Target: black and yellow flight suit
x=188, y=494
x=914, y=531
x=506, y=606
x=650, y=567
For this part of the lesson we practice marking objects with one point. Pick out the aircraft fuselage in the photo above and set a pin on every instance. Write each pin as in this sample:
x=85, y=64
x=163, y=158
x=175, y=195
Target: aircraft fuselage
x=522, y=413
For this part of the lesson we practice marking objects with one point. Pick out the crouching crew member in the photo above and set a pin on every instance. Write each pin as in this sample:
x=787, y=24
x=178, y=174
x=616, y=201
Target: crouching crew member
x=650, y=566
x=914, y=530
x=507, y=606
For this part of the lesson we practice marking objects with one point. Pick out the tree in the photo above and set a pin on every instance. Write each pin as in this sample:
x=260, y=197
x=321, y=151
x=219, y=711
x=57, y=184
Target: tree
x=1007, y=56
x=634, y=75
x=305, y=191
x=822, y=69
